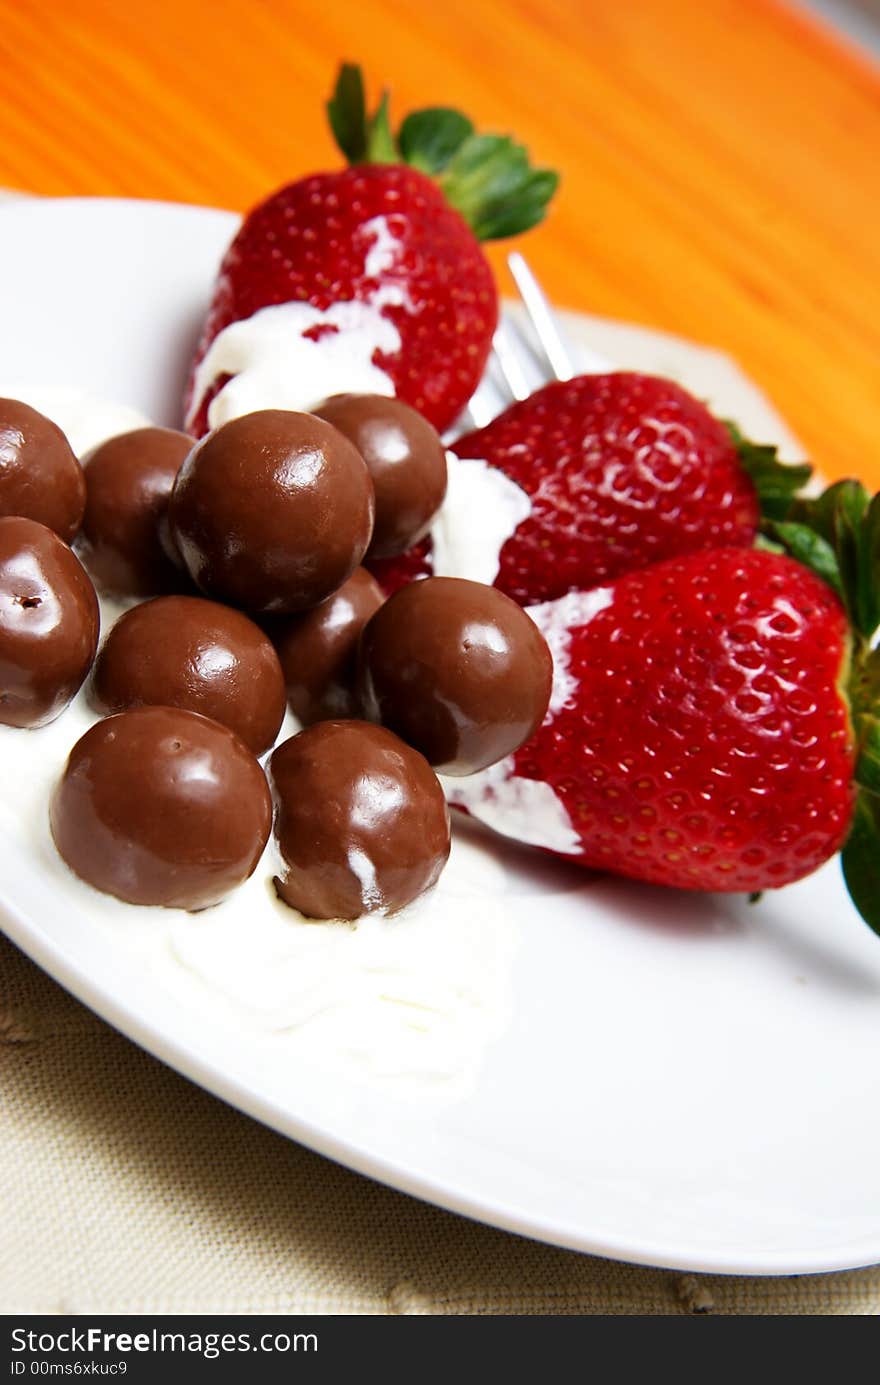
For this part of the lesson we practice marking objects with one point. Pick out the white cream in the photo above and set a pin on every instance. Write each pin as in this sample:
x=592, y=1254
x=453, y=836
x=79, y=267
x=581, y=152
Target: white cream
x=483, y=508
x=383, y=249
x=274, y=366
x=556, y=620
x=528, y=809
x=412, y=1000
x=415, y=997
x=84, y=420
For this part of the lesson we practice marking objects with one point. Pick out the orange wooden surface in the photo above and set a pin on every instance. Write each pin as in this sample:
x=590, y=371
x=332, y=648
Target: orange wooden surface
x=721, y=158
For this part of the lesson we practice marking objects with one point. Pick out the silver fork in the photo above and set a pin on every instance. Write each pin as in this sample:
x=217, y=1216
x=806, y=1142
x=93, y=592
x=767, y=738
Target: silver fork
x=529, y=349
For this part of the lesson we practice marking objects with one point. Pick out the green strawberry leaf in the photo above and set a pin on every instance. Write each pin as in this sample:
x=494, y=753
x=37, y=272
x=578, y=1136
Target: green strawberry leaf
x=381, y=148
x=816, y=553
x=860, y=859
x=850, y=511
x=766, y=543
x=347, y=113
x=868, y=761
x=864, y=685
x=846, y=520
x=777, y=483
x=824, y=512
x=869, y=576
x=429, y=138
x=492, y=184
x=487, y=178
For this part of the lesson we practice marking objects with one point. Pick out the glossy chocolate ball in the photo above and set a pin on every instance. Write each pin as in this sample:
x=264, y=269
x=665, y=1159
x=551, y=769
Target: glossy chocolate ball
x=318, y=649
x=40, y=478
x=129, y=480
x=407, y=462
x=273, y=511
x=456, y=669
x=49, y=623
x=361, y=821
x=184, y=651
x=162, y=806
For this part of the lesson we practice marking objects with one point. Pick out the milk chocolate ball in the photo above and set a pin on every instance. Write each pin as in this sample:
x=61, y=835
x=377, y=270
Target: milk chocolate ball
x=361, y=821
x=40, y=478
x=457, y=670
x=318, y=649
x=162, y=806
x=184, y=651
x=407, y=462
x=273, y=511
x=49, y=623
x=129, y=480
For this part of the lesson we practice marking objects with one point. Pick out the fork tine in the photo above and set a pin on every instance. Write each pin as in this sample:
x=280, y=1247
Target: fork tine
x=509, y=358
x=541, y=317
x=515, y=361
x=477, y=414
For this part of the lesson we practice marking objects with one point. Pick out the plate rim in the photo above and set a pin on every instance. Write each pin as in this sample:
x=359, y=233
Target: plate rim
x=172, y=1051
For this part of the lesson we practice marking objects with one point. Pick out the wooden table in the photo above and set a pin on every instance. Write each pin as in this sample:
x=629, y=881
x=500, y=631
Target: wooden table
x=720, y=158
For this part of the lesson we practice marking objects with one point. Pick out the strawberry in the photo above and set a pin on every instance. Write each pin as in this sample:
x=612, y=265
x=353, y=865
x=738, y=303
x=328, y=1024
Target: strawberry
x=381, y=263
x=712, y=725
x=622, y=470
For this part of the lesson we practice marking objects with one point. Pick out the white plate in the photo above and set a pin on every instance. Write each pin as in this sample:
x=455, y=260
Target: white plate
x=682, y=1081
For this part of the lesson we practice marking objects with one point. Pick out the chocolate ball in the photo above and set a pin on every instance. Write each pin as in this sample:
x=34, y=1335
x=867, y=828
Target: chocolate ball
x=129, y=480
x=318, y=649
x=361, y=821
x=162, y=806
x=184, y=651
x=273, y=511
x=40, y=478
x=49, y=623
x=407, y=462
x=457, y=670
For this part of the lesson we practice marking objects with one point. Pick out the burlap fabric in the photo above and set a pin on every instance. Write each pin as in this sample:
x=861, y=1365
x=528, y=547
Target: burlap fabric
x=125, y=1189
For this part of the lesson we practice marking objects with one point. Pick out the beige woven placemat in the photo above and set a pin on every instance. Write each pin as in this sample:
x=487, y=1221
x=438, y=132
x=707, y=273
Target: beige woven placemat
x=125, y=1189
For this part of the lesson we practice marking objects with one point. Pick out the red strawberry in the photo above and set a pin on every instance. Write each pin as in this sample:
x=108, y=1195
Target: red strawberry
x=622, y=470
x=700, y=735
x=397, y=235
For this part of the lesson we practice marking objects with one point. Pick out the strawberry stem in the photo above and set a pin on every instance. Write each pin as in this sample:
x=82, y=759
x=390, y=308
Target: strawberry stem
x=487, y=178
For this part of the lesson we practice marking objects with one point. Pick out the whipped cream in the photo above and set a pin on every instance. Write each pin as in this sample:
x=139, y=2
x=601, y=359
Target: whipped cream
x=275, y=366
x=384, y=249
x=84, y=420
x=483, y=508
x=528, y=809
x=412, y=998
x=556, y=620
